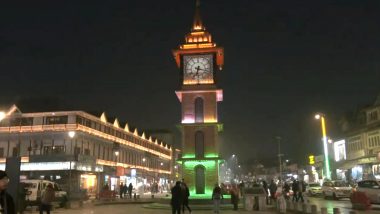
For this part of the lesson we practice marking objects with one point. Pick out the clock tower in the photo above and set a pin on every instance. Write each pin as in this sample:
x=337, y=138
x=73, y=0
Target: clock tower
x=199, y=60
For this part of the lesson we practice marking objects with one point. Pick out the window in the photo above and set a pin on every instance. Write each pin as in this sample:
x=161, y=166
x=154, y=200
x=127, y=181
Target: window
x=56, y=120
x=77, y=150
x=199, y=110
x=14, y=152
x=23, y=121
x=58, y=150
x=372, y=116
x=199, y=144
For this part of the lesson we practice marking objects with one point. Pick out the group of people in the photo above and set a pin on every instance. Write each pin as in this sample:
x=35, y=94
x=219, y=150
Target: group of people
x=7, y=205
x=125, y=190
x=180, y=197
x=298, y=188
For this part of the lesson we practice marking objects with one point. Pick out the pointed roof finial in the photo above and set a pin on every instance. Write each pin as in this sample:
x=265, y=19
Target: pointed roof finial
x=197, y=24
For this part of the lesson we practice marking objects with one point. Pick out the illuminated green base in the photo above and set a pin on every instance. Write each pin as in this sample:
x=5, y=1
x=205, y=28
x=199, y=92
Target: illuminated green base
x=206, y=196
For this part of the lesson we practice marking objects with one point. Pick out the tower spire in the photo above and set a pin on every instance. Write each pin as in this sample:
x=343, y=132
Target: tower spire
x=197, y=24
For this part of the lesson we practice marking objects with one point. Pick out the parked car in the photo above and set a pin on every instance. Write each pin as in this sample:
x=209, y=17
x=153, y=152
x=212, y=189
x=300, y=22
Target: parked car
x=336, y=189
x=313, y=189
x=371, y=188
x=34, y=189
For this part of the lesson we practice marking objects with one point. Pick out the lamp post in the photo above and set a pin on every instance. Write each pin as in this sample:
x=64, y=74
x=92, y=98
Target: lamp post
x=71, y=135
x=324, y=139
x=279, y=157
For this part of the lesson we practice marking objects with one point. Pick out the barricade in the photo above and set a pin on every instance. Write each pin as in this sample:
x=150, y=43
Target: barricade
x=255, y=198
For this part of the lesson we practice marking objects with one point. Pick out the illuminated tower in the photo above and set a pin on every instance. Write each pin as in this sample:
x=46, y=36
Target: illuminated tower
x=199, y=60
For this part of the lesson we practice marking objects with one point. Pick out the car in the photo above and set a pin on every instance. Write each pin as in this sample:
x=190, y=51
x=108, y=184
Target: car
x=336, y=189
x=35, y=187
x=371, y=188
x=313, y=189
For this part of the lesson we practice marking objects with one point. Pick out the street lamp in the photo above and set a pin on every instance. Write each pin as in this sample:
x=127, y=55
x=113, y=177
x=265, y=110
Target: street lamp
x=2, y=115
x=71, y=135
x=324, y=139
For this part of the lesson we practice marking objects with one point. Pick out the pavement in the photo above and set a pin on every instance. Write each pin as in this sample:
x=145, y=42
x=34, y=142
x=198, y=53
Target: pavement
x=137, y=209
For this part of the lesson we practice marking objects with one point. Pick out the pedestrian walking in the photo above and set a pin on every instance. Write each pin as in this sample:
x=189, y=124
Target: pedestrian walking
x=185, y=197
x=301, y=190
x=273, y=190
x=121, y=189
x=176, y=200
x=47, y=198
x=125, y=190
x=295, y=190
x=7, y=205
x=130, y=188
x=235, y=196
x=286, y=190
x=265, y=186
x=217, y=196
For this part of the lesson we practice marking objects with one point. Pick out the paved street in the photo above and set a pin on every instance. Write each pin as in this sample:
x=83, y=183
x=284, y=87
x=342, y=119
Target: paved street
x=343, y=204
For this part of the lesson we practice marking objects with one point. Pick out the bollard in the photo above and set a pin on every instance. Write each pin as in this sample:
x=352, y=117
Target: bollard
x=314, y=209
x=289, y=205
x=305, y=208
x=336, y=211
x=323, y=210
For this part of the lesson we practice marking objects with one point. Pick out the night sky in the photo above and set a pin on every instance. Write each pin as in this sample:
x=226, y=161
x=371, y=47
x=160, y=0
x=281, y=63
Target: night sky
x=284, y=60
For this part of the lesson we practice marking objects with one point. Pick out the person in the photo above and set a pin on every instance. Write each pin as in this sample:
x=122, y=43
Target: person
x=235, y=196
x=301, y=190
x=176, y=199
x=121, y=189
x=217, y=196
x=125, y=190
x=6, y=200
x=241, y=188
x=130, y=188
x=265, y=186
x=286, y=190
x=47, y=198
x=272, y=190
x=295, y=190
x=185, y=197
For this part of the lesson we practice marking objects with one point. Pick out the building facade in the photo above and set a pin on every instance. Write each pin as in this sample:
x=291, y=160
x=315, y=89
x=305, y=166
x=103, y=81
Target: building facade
x=357, y=155
x=83, y=152
x=199, y=60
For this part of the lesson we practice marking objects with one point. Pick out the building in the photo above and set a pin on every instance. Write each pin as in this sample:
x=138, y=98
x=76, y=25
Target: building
x=357, y=154
x=199, y=60
x=83, y=152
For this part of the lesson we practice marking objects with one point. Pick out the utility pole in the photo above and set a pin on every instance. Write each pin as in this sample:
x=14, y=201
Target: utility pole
x=279, y=156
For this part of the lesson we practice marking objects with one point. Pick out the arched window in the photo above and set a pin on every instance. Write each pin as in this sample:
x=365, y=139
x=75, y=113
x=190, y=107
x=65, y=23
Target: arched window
x=199, y=179
x=199, y=110
x=199, y=144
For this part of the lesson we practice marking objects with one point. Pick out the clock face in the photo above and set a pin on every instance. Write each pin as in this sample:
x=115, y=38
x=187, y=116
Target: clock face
x=198, y=69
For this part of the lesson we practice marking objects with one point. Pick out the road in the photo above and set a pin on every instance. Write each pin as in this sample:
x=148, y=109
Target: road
x=343, y=204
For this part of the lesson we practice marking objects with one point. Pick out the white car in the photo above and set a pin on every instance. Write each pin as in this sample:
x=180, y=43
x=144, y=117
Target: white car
x=35, y=187
x=313, y=189
x=371, y=188
x=336, y=189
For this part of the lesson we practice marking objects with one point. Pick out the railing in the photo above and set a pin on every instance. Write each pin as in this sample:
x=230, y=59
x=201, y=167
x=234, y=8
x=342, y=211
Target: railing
x=72, y=127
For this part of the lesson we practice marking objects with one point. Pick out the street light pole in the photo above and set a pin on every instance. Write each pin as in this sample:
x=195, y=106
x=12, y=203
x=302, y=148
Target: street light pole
x=324, y=139
x=71, y=135
x=279, y=156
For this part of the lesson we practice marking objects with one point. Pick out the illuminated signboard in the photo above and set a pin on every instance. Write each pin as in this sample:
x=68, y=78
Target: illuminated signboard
x=340, y=150
x=311, y=160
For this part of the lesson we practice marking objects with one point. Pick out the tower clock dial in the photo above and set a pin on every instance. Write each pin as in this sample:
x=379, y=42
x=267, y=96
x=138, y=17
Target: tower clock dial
x=198, y=69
